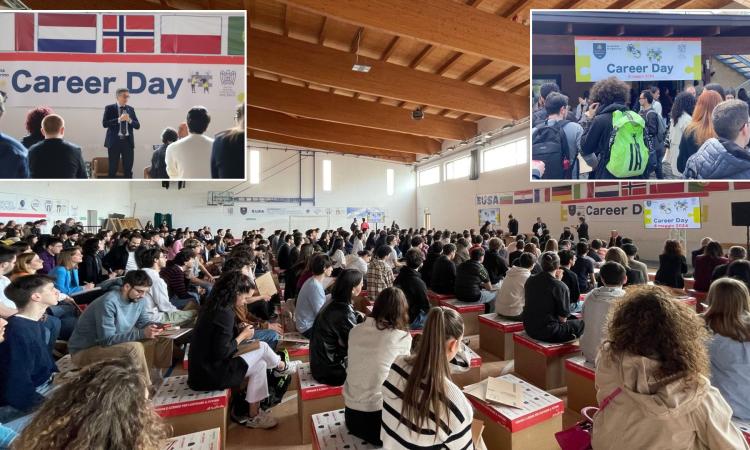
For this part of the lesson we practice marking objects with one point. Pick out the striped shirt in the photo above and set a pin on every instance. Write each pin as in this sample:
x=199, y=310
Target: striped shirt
x=379, y=277
x=398, y=433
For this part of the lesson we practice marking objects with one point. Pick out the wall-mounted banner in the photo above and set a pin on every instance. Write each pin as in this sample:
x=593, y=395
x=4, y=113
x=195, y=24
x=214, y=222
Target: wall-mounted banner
x=637, y=59
x=628, y=211
x=672, y=213
x=503, y=198
x=491, y=215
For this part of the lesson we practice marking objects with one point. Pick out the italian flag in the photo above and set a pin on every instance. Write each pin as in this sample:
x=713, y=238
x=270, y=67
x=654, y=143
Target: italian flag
x=191, y=35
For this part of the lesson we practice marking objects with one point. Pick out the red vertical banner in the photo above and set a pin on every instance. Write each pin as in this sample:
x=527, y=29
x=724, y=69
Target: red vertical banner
x=24, y=32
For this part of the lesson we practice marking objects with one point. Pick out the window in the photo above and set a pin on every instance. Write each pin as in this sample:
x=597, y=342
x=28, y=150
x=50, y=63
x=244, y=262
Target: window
x=505, y=155
x=458, y=168
x=326, y=174
x=389, y=178
x=254, y=167
x=429, y=176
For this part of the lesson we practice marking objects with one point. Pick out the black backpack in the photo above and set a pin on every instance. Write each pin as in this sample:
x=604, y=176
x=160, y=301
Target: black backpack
x=550, y=146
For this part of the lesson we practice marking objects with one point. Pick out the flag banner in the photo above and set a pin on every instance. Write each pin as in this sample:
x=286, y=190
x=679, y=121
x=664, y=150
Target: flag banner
x=606, y=189
x=741, y=185
x=633, y=188
x=127, y=33
x=236, y=35
x=506, y=198
x=153, y=82
x=579, y=191
x=666, y=188
x=70, y=33
x=520, y=197
x=561, y=193
x=191, y=34
x=16, y=32
x=694, y=186
x=538, y=195
x=547, y=194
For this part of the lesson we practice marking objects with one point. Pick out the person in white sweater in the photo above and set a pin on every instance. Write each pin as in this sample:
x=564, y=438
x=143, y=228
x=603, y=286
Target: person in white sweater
x=510, y=298
x=190, y=157
x=681, y=114
x=373, y=346
x=597, y=305
x=152, y=260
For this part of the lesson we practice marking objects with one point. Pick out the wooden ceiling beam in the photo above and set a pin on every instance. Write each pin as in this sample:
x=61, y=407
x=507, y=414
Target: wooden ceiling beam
x=282, y=97
x=286, y=19
x=390, y=49
x=329, y=67
x=475, y=69
x=429, y=48
x=500, y=77
x=438, y=22
x=448, y=63
x=318, y=130
x=330, y=147
x=322, y=32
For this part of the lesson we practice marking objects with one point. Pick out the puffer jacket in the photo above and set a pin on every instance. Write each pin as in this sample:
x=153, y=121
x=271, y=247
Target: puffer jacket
x=648, y=414
x=719, y=159
x=330, y=342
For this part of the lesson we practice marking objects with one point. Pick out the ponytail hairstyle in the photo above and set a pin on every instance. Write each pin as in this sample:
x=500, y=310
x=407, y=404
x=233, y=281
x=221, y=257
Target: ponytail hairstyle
x=430, y=368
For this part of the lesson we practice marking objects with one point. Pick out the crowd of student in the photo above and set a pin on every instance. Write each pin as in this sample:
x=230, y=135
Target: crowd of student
x=702, y=134
x=185, y=153
x=675, y=378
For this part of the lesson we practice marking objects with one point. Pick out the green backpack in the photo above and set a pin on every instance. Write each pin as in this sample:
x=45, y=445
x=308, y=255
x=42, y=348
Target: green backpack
x=628, y=153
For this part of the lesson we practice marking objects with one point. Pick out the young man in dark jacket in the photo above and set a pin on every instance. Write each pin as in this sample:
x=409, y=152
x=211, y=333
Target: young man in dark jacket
x=414, y=288
x=444, y=272
x=473, y=282
x=495, y=265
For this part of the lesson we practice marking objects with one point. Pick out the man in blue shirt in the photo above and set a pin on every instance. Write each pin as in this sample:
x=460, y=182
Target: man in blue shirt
x=14, y=158
x=113, y=325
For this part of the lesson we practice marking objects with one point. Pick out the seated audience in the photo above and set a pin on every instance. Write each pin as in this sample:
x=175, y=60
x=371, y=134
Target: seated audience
x=34, y=125
x=330, y=333
x=546, y=311
x=567, y=260
x=705, y=264
x=510, y=298
x=597, y=305
x=158, y=168
x=414, y=288
x=379, y=275
x=102, y=406
x=654, y=367
x=444, y=272
x=54, y=157
x=217, y=359
x=740, y=270
x=672, y=266
x=174, y=274
x=52, y=248
x=152, y=261
x=422, y=407
x=618, y=255
x=121, y=258
x=228, y=149
x=699, y=251
x=632, y=253
x=8, y=431
x=728, y=318
x=311, y=296
x=26, y=264
x=26, y=367
x=736, y=253
x=116, y=325
x=91, y=269
x=190, y=156
x=338, y=259
x=359, y=261
x=65, y=273
x=584, y=268
x=473, y=282
x=373, y=346
x=514, y=255
x=495, y=265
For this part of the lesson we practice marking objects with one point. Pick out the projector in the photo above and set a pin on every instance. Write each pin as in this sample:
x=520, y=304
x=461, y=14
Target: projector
x=364, y=68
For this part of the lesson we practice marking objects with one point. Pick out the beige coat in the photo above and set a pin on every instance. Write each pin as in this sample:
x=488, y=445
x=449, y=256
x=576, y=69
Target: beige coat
x=645, y=415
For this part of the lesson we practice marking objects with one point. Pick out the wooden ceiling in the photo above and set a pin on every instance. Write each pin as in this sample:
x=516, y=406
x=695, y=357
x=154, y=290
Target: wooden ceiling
x=457, y=60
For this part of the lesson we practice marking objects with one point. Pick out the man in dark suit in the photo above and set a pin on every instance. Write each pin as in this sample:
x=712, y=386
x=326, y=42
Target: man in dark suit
x=53, y=157
x=120, y=121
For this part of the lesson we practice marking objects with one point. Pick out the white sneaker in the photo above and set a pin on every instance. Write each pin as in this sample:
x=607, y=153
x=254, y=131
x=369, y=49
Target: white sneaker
x=291, y=367
x=263, y=420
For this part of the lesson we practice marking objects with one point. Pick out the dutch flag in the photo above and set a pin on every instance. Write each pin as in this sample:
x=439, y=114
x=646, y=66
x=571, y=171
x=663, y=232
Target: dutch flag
x=73, y=33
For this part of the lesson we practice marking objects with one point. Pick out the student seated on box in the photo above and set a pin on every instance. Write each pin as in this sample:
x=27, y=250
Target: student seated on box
x=444, y=272
x=546, y=312
x=114, y=325
x=330, y=333
x=26, y=367
x=728, y=318
x=567, y=260
x=414, y=288
x=151, y=261
x=494, y=263
x=215, y=361
x=473, y=282
x=618, y=255
x=597, y=305
x=103, y=406
x=736, y=253
x=379, y=274
x=510, y=298
x=434, y=251
x=373, y=346
x=174, y=274
x=705, y=264
x=672, y=266
x=419, y=390
x=655, y=353
x=584, y=268
x=631, y=251
x=311, y=296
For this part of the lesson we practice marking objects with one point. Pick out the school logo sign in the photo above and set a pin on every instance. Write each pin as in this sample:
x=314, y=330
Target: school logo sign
x=243, y=210
x=600, y=50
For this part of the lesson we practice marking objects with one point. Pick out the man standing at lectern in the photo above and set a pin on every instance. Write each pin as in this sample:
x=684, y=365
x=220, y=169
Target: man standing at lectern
x=120, y=121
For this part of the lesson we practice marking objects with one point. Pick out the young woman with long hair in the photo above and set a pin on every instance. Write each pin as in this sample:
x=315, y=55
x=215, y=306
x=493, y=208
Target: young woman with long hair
x=228, y=150
x=26, y=264
x=728, y=318
x=103, y=406
x=422, y=407
x=672, y=265
x=653, y=367
x=337, y=256
x=700, y=128
x=215, y=359
x=330, y=332
x=373, y=346
x=712, y=256
x=66, y=272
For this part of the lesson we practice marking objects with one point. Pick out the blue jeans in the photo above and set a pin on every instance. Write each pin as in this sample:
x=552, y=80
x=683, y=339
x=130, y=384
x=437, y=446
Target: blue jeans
x=68, y=318
x=52, y=325
x=418, y=322
x=270, y=337
x=180, y=303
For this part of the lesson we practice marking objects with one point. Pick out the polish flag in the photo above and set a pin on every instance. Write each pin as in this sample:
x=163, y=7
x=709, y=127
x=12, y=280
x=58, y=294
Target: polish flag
x=191, y=35
x=17, y=33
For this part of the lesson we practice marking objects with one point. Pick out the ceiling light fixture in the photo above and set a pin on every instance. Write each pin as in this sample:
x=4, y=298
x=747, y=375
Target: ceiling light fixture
x=357, y=67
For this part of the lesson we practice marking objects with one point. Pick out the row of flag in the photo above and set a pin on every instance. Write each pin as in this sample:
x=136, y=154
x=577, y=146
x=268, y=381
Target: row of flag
x=121, y=33
x=613, y=190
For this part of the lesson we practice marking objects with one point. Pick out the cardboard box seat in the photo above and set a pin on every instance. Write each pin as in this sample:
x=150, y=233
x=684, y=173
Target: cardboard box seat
x=314, y=398
x=202, y=440
x=540, y=362
x=469, y=311
x=579, y=376
x=330, y=433
x=496, y=335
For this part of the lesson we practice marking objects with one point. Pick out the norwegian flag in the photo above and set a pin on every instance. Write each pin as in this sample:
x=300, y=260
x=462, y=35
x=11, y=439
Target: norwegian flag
x=630, y=188
x=127, y=33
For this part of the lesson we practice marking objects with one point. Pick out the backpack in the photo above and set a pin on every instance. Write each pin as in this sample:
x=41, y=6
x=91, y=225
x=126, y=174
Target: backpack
x=628, y=153
x=550, y=146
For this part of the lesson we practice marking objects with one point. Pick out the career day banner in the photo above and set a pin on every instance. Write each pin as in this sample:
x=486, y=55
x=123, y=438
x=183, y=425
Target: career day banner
x=637, y=59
